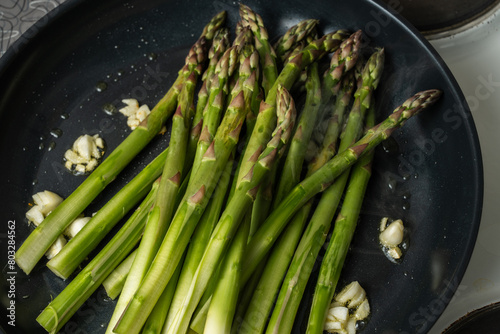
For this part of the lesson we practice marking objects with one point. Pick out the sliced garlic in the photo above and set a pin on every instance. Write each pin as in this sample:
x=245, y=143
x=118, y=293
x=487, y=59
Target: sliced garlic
x=392, y=235
x=348, y=306
x=76, y=226
x=131, y=108
x=34, y=215
x=363, y=310
x=142, y=113
x=135, y=114
x=56, y=247
x=47, y=201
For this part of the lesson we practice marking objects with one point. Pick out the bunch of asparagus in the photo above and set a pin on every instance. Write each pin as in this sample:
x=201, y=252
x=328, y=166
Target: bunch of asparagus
x=233, y=212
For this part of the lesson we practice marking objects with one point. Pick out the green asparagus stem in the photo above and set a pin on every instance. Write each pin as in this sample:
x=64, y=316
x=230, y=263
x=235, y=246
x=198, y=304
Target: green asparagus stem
x=342, y=61
x=293, y=37
x=235, y=209
x=268, y=287
x=225, y=297
x=78, y=248
x=156, y=319
x=217, y=101
x=323, y=177
x=200, y=240
x=60, y=310
x=219, y=46
x=335, y=123
x=267, y=116
x=37, y=243
x=343, y=231
x=267, y=55
x=113, y=284
x=161, y=214
x=198, y=193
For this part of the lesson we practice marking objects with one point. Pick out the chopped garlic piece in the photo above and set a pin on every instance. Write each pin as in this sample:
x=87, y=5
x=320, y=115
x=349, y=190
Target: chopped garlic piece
x=135, y=114
x=391, y=236
x=363, y=310
x=348, y=306
x=47, y=201
x=85, y=154
x=56, y=247
x=142, y=113
x=34, y=215
x=76, y=226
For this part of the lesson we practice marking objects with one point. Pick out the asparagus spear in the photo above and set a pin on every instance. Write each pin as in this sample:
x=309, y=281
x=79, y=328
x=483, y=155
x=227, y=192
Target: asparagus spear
x=113, y=284
x=37, y=243
x=199, y=241
x=225, y=297
x=267, y=115
x=345, y=225
x=198, y=193
x=218, y=48
x=156, y=319
x=235, y=209
x=267, y=55
x=323, y=177
x=294, y=37
x=219, y=92
x=264, y=294
x=60, y=310
x=161, y=213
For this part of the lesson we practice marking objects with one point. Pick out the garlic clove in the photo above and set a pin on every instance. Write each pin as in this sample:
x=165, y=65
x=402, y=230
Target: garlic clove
x=76, y=226
x=47, y=201
x=34, y=215
x=142, y=112
x=56, y=247
x=393, y=234
x=363, y=310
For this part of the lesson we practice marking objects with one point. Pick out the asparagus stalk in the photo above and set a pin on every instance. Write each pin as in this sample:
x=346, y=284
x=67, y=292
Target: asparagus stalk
x=225, y=297
x=305, y=256
x=199, y=241
x=198, y=193
x=219, y=46
x=78, y=248
x=217, y=101
x=234, y=211
x=343, y=231
x=267, y=115
x=37, y=243
x=156, y=319
x=293, y=37
x=317, y=182
x=335, y=123
x=60, y=310
x=113, y=284
x=264, y=294
x=267, y=55
x=161, y=213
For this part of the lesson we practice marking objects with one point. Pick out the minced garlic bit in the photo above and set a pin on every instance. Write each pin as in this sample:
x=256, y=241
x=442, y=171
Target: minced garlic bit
x=348, y=306
x=76, y=226
x=44, y=203
x=391, y=236
x=85, y=154
x=134, y=113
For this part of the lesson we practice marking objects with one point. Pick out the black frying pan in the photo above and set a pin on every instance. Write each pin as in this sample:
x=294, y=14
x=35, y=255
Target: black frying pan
x=431, y=176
